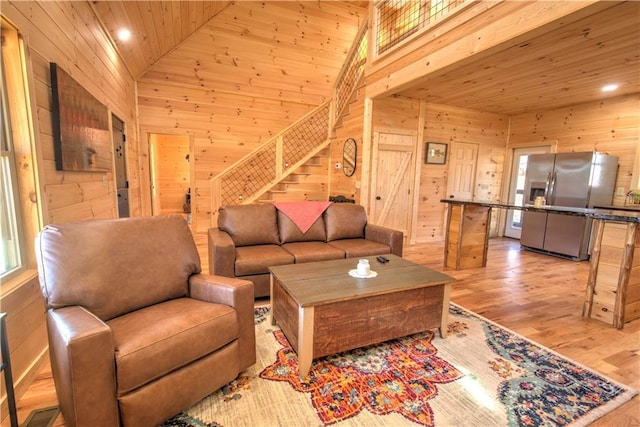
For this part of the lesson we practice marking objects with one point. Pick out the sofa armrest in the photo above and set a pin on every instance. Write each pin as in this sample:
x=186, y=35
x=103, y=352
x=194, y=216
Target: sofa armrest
x=236, y=293
x=388, y=236
x=222, y=253
x=82, y=356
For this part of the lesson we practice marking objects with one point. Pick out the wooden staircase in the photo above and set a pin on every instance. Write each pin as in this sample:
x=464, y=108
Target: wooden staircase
x=294, y=164
x=308, y=182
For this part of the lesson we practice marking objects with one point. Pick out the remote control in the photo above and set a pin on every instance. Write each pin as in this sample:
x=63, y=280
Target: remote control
x=382, y=259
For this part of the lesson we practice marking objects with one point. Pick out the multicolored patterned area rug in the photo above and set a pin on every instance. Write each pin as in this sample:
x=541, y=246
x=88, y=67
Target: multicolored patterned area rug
x=480, y=375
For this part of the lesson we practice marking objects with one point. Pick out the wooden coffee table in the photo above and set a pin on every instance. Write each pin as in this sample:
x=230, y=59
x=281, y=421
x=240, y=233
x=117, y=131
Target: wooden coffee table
x=322, y=310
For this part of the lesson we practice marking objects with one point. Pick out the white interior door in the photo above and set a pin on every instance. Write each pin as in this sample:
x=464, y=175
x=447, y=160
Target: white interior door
x=462, y=170
x=513, y=226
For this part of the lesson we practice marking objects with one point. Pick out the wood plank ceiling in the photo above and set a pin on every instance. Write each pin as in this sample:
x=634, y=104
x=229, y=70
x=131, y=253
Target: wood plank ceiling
x=562, y=67
x=157, y=27
x=565, y=66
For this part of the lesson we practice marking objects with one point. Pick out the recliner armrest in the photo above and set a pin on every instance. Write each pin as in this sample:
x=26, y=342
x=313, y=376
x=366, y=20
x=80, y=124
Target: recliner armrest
x=237, y=293
x=82, y=356
x=388, y=236
x=222, y=290
x=222, y=253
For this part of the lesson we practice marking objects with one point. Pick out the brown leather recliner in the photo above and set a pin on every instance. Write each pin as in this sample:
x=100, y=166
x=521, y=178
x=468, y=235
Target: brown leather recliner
x=136, y=333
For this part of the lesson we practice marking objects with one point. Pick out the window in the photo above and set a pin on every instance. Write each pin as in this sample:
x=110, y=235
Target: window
x=20, y=216
x=10, y=209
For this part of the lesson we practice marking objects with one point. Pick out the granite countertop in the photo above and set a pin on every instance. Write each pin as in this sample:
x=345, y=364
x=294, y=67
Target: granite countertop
x=632, y=208
x=611, y=213
x=615, y=215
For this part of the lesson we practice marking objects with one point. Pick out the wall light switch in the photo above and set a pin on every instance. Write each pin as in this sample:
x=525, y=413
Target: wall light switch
x=620, y=191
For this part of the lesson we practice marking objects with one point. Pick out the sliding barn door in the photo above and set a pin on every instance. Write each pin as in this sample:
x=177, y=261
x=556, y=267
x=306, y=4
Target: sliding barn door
x=392, y=196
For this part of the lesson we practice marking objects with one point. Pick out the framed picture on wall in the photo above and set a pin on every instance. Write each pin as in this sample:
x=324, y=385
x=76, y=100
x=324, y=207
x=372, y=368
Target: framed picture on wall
x=436, y=153
x=81, y=132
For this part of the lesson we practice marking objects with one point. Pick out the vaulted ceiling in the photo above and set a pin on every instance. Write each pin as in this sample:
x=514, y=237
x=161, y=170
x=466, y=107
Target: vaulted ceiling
x=564, y=66
x=159, y=27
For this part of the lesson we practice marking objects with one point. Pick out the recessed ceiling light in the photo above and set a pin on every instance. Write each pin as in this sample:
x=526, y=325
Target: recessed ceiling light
x=609, y=88
x=124, y=34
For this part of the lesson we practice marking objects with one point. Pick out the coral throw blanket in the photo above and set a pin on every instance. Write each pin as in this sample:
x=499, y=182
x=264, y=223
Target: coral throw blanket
x=303, y=214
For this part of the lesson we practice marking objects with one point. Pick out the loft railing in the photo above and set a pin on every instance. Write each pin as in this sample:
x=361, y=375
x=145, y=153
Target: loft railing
x=398, y=20
x=250, y=177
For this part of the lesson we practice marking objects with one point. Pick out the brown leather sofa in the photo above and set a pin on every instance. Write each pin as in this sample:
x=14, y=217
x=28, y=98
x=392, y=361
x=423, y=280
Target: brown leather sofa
x=136, y=333
x=251, y=238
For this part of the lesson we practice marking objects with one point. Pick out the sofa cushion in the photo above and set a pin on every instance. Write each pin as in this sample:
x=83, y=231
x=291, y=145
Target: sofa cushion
x=290, y=232
x=312, y=251
x=159, y=339
x=257, y=259
x=345, y=221
x=354, y=248
x=250, y=224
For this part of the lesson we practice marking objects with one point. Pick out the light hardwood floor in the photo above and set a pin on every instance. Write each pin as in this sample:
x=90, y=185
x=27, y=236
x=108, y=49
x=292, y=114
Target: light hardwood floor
x=535, y=295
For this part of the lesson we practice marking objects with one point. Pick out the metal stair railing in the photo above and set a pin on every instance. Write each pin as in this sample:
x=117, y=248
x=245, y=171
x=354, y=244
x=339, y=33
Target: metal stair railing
x=249, y=178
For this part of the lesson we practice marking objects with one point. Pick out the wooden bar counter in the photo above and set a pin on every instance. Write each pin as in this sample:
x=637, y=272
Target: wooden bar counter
x=613, y=287
x=468, y=225
x=467, y=238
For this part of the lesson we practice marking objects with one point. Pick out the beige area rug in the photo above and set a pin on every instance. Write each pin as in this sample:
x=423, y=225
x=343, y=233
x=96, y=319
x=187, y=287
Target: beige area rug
x=480, y=375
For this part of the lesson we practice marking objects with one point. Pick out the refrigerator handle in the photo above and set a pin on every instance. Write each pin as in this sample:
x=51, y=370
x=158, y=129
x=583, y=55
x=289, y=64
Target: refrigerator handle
x=552, y=190
x=547, y=187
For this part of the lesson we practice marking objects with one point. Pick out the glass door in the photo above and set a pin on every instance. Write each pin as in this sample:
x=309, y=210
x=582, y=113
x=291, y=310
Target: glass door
x=513, y=227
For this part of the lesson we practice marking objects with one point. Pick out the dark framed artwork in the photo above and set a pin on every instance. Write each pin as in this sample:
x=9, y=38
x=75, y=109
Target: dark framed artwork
x=81, y=136
x=436, y=153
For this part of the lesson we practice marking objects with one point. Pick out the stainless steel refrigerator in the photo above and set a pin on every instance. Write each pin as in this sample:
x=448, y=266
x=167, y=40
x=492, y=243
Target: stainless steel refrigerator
x=581, y=180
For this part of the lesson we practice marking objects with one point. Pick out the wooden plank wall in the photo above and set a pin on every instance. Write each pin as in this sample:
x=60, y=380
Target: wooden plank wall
x=448, y=124
x=351, y=127
x=451, y=124
x=247, y=74
x=609, y=126
x=69, y=34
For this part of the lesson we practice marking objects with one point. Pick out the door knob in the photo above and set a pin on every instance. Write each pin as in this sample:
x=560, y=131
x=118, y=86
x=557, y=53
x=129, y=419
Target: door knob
x=378, y=198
